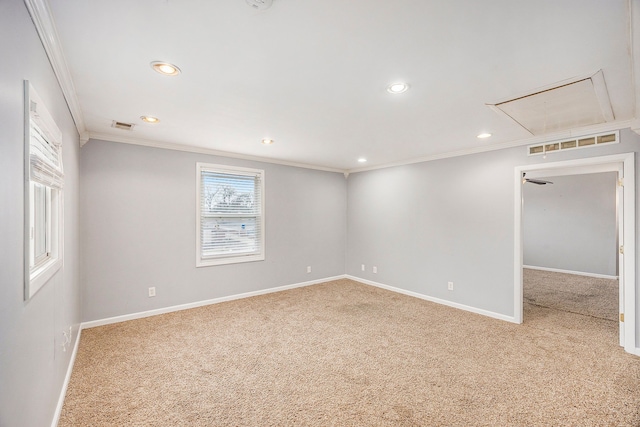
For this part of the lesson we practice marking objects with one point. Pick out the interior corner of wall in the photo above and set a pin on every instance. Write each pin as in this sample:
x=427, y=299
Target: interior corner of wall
x=84, y=138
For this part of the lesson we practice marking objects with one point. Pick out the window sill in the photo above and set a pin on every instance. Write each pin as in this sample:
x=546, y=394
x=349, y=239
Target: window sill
x=207, y=262
x=40, y=276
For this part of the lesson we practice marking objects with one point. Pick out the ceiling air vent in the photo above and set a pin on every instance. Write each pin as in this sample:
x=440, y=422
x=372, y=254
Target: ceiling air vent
x=122, y=125
x=570, y=104
x=570, y=144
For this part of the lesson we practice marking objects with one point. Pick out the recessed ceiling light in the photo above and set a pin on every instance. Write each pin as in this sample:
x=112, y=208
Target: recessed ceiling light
x=397, y=87
x=484, y=135
x=362, y=160
x=267, y=141
x=150, y=119
x=165, y=68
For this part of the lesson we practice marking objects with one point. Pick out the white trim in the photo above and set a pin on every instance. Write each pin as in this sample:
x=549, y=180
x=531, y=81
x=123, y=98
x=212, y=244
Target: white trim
x=435, y=300
x=202, y=150
x=576, y=273
x=149, y=313
x=628, y=273
x=634, y=48
x=42, y=275
x=46, y=27
x=67, y=378
x=573, y=133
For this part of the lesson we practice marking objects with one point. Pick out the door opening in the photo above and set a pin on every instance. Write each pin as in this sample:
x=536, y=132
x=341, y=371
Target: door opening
x=623, y=165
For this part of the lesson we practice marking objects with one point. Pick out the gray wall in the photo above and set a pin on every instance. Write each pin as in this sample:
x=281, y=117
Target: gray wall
x=138, y=230
x=571, y=224
x=32, y=363
x=426, y=224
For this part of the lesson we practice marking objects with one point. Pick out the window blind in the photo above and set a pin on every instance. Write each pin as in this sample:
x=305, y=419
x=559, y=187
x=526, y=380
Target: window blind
x=230, y=213
x=45, y=150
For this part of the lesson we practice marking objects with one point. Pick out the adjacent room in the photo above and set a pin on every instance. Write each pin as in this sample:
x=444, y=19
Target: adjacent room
x=571, y=244
x=266, y=212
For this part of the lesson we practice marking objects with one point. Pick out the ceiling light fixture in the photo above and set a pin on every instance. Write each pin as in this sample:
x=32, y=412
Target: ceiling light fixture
x=362, y=160
x=165, y=68
x=267, y=141
x=397, y=87
x=150, y=119
x=484, y=135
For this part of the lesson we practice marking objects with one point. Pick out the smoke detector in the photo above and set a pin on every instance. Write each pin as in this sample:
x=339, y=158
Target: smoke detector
x=260, y=4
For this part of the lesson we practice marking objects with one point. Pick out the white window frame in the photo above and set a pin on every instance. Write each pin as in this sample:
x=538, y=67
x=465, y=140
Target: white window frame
x=205, y=261
x=44, y=171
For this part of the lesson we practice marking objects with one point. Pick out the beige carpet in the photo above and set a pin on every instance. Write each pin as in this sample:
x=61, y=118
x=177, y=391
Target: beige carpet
x=569, y=292
x=347, y=354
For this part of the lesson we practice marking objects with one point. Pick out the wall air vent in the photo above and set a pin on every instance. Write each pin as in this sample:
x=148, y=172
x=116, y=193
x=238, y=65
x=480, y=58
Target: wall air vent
x=570, y=104
x=571, y=144
x=122, y=125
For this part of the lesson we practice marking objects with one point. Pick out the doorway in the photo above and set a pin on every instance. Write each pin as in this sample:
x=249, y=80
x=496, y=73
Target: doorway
x=623, y=166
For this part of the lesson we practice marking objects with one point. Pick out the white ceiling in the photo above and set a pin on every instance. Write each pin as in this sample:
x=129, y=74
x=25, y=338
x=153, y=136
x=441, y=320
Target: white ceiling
x=312, y=75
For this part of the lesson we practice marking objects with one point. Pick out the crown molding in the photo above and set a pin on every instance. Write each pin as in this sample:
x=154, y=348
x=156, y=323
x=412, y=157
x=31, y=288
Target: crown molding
x=46, y=27
x=203, y=150
x=573, y=133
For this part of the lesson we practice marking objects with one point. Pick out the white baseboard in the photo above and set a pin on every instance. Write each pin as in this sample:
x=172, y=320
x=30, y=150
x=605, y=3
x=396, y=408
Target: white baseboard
x=67, y=378
x=149, y=313
x=577, y=273
x=436, y=300
x=140, y=315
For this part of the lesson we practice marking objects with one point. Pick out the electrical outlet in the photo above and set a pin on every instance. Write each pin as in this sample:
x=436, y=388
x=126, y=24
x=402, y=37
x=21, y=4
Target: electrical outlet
x=450, y=286
x=66, y=340
x=308, y=269
x=152, y=291
x=375, y=270
x=362, y=267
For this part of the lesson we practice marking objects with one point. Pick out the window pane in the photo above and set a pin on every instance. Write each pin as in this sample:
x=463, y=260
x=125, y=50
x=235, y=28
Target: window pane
x=229, y=236
x=224, y=193
x=40, y=222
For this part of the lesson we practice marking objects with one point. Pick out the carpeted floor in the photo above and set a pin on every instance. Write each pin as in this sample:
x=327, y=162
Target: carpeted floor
x=347, y=354
x=589, y=296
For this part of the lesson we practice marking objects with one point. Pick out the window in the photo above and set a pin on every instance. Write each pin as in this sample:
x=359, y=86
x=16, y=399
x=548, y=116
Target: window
x=43, y=194
x=230, y=215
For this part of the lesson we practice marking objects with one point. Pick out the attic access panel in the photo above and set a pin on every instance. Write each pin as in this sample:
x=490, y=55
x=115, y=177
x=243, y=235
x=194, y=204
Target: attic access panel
x=563, y=106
